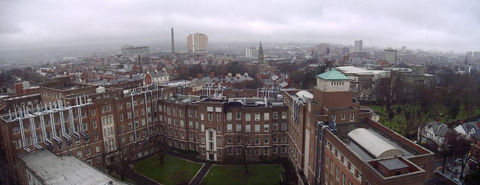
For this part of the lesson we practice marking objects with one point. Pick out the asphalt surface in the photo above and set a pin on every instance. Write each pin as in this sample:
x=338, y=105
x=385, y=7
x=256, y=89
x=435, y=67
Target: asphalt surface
x=203, y=171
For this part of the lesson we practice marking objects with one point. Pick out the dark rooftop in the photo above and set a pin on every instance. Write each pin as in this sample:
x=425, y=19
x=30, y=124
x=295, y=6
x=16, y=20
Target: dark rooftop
x=393, y=164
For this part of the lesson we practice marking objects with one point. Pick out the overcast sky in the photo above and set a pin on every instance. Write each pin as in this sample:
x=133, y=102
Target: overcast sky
x=427, y=24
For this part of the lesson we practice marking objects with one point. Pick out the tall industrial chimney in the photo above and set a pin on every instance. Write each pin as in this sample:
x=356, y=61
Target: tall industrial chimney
x=140, y=63
x=173, y=42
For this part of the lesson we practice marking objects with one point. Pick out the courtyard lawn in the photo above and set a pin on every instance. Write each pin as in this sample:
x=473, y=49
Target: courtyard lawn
x=235, y=175
x=173, y=170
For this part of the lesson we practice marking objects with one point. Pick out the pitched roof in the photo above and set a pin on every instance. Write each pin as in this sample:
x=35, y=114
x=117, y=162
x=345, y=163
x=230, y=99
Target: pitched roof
x=333, y=75
x=439, y=129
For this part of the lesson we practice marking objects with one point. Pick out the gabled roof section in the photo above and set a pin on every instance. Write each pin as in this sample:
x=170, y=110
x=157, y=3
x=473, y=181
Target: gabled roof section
x=333, y=75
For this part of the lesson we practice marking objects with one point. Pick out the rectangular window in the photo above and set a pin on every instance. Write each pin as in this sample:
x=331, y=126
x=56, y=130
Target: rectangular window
x=284, y=115
x=266, y=128
x=239, y=116
x=229, y=127
x=239, y=128
x=337, y=173
x=218, y=109
x=210, y=116
x=15, y=130
x=275, y=115
x=343, y=116
x=248, y=117
x=266, y=116
x=209, y=109
x=229, y=116
x=257, y=128
x=247, y=128
x=284, y=127
x=257, y=116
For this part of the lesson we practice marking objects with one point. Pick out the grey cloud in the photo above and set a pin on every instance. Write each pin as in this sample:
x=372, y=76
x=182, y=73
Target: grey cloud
x=446, y=25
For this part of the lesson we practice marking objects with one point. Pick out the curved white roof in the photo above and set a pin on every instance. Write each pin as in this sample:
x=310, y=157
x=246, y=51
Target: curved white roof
x=374, y=144
x=304, y=94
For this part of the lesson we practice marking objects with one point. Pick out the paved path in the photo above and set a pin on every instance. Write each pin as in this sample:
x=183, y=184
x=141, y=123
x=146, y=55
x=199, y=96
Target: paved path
x=201, y=173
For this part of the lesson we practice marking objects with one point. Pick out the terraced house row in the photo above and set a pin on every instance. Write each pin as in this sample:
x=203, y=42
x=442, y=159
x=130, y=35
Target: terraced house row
x=324, y=132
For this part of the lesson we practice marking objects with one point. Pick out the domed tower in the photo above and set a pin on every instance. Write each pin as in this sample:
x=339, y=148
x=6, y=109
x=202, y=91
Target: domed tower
x=333, y=98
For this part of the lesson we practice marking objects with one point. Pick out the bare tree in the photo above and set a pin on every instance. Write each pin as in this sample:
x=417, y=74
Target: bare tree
x=446, y=148
x=245, y=141
x=461, y=147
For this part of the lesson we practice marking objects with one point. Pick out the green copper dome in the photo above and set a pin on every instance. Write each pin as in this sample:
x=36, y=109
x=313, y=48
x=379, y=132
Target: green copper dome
x=333, y=75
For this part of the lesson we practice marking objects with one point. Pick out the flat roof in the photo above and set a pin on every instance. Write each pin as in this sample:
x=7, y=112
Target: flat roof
x=393, y=164
x=358, y=70
x=53, y=170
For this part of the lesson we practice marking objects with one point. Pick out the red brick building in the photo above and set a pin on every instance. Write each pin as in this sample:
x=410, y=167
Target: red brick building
x=317, y=130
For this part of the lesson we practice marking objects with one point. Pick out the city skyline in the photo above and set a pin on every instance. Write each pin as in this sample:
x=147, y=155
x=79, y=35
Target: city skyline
x=440, y=26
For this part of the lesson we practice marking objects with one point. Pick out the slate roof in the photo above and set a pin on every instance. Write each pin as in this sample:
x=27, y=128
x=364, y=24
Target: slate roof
x=158, y=74
x=333, y=75
x=439, y=129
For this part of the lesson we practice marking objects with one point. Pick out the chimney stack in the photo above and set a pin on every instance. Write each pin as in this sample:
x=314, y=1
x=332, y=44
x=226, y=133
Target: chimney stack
x=140, y=63
x=173, y=42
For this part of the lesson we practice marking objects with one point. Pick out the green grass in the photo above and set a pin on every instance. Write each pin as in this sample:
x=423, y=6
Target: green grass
x=235, y=175
x=173, y=170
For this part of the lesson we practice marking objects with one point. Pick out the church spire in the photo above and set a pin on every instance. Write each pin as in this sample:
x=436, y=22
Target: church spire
x=261, y=59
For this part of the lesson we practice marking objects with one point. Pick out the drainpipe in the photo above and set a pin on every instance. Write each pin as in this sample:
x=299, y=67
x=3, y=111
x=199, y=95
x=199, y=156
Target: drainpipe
x=133, y=116
x=319, y=154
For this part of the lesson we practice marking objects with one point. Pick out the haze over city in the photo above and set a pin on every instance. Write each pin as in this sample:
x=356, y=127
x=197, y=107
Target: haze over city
x=424, y=24
x=240, y=92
